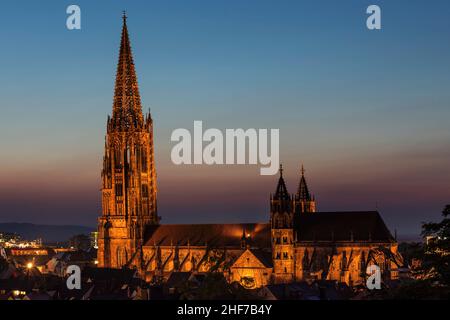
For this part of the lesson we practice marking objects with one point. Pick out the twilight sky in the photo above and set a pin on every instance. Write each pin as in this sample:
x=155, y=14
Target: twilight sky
x=367, y=112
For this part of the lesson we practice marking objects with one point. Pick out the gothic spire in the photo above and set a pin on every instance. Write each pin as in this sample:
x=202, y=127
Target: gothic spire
x=303, y=192
x=127, y=110
x=281, y=193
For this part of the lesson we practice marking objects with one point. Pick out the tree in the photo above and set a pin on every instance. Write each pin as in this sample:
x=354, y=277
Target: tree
x=430, y=264
x=436, y=257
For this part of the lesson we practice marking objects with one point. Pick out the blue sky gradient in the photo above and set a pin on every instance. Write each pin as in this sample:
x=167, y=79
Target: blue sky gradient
x=367, y=112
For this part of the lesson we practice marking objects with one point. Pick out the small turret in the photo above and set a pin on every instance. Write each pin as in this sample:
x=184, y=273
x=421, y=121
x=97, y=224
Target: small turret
x=304, y=201
x=281, y=201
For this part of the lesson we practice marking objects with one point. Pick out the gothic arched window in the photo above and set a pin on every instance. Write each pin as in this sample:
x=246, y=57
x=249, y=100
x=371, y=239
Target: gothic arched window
x=144, y=159
x=117, y=158
x=145, y=191
x=119, y=190
x=119, y=257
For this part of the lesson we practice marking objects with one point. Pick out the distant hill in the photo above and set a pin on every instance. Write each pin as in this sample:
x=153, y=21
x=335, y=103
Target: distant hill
x=48, y=233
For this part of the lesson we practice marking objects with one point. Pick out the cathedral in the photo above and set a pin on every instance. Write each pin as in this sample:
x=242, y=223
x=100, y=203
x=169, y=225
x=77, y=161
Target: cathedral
x=297, y=243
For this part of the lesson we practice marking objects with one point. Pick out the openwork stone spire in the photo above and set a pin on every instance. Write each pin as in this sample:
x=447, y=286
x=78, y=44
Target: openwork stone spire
x=305, y=202
x=281, y=193
x=129, y=188
x=127, y=109
x=303, y=191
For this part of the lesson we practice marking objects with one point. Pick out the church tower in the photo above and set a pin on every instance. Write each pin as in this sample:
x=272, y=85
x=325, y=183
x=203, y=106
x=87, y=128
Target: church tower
x=282, y=232
x=304, y=202
x=128, y=175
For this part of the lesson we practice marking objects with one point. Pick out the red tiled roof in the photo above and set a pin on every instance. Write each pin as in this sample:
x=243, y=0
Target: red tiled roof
x=317, y=226
x=217, y=235
x=342, y=226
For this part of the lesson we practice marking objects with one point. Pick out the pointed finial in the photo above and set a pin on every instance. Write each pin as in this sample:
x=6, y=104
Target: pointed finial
x=124, y=16
x=303, y=170
x=281, y=170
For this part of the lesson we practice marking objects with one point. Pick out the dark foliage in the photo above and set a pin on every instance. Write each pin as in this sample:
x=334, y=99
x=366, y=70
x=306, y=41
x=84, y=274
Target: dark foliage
x=429, y=263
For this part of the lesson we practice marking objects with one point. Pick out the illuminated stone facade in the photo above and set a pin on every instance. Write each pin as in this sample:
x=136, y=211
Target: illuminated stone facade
x=296, y=244
x=128, y=176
